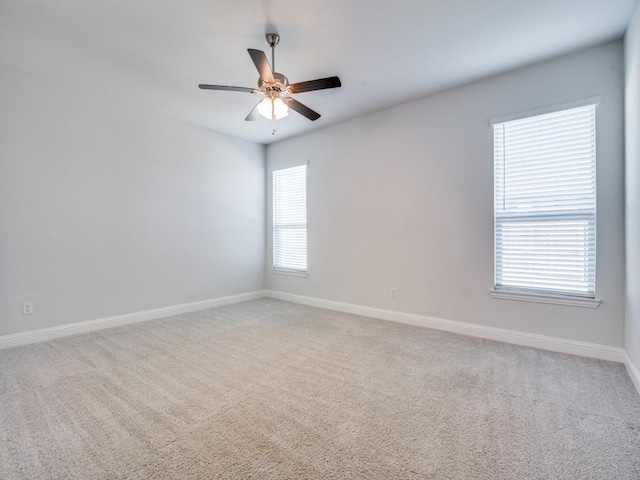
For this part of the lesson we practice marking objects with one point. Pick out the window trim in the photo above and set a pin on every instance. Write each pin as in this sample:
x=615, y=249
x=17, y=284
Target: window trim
x=274, y=268
x=586, y=300
x=541, y=297
x=290, y=273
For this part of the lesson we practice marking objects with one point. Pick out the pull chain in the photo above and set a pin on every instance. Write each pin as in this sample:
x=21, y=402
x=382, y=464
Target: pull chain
x=273, y=116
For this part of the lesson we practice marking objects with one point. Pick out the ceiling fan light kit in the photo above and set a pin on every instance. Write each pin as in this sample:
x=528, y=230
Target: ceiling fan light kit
x=276, y=88
x=273, y=107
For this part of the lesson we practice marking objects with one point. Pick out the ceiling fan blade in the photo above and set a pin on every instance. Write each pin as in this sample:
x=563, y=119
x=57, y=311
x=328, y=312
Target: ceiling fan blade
x=320, y=84
x=253, y=114
x=301, y=109
x=262, y=64
x=225, y=87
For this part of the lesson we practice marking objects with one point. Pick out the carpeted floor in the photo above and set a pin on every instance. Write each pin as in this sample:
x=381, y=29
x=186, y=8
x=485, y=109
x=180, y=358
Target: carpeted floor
x=267, y=389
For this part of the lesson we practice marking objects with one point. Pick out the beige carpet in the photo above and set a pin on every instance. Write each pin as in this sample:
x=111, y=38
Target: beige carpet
x=268, y=389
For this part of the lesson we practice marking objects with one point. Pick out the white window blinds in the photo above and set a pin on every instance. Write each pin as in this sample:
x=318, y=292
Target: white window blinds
x=545, y=203
x=290, y=219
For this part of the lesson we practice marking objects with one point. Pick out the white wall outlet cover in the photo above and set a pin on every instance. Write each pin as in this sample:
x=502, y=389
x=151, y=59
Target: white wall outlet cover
x=27, y=308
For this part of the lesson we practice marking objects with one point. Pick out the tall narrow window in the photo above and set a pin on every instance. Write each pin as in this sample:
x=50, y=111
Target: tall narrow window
x=290, y=219
x=545, y=204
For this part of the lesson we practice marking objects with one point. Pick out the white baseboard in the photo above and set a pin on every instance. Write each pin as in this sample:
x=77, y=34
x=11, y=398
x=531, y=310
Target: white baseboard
x=633, y=371
x=573, y=347
x=555, y=344
x=33, y=336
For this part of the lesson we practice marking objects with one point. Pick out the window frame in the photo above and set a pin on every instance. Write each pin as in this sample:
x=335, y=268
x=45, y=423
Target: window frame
x=275, y=227
x=551, y=296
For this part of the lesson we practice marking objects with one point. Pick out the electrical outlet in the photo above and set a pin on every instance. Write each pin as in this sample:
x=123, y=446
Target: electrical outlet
x=27, y=308
x=394, y=292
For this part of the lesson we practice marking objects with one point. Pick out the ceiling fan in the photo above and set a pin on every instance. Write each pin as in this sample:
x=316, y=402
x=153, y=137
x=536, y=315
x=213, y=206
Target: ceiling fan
x=276, y=88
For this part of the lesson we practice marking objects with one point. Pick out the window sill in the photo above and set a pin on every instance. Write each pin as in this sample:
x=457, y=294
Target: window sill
x=541, y=298
x=290, y=273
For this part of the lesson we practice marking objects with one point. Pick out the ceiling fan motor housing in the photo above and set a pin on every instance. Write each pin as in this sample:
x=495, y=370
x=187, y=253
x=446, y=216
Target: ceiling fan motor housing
x=279, y=86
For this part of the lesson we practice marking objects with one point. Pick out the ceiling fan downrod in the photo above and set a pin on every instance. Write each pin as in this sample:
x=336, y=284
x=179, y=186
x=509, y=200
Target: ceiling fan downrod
x=273, y=39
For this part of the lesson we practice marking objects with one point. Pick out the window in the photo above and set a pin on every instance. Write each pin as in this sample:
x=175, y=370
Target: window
x=290, y=219
x=545, y=204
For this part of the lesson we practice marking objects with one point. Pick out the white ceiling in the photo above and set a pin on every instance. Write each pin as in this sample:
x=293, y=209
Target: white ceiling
x=154, y=53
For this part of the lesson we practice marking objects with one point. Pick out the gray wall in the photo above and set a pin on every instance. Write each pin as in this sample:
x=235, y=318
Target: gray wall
x=632, y=172
x=108, y=209
x=404, y=198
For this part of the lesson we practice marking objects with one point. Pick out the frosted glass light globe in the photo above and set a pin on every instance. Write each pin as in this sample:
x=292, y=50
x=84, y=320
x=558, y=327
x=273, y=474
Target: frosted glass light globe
x=280, y=108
